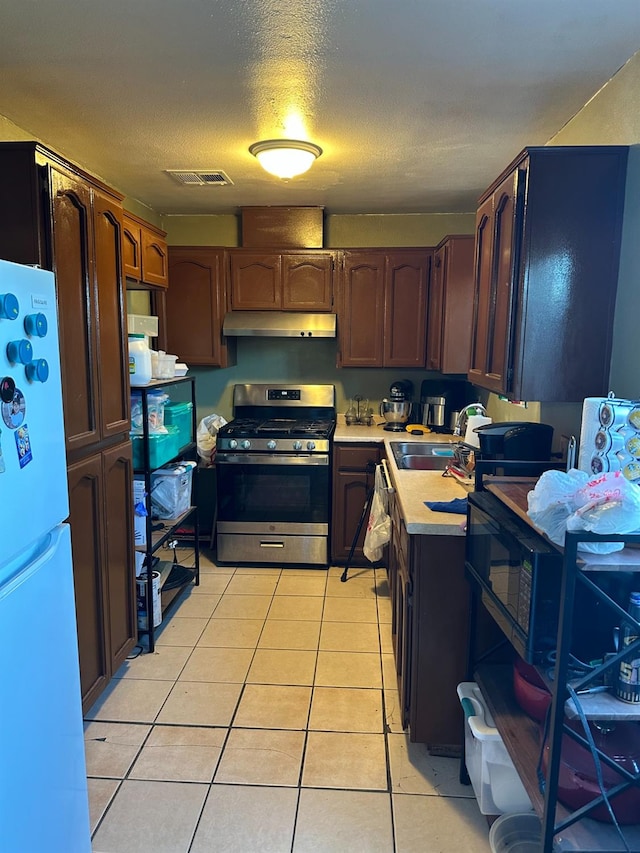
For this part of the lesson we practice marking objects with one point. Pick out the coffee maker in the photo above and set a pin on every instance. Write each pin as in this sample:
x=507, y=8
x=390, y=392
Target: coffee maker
x=396, y=409
x=441, y=401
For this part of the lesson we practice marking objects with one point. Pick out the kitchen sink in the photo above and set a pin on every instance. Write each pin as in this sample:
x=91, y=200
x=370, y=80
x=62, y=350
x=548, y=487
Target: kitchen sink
x=421, y=456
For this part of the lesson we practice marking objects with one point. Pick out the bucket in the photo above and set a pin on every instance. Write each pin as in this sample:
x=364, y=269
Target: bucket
x=516, y=833
x=141, y=598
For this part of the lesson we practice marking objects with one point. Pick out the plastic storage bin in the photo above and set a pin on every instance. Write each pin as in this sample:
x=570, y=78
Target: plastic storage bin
x=163, y=447
x=495, y=780
x=180, y=415
x=156, y=401
x=171, y=490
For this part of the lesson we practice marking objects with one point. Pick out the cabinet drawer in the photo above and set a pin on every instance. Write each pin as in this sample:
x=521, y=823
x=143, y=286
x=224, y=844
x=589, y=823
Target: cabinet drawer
x=356, y=457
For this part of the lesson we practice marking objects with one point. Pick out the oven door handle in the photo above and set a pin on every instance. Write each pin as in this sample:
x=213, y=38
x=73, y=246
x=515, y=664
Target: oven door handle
x=271, y=459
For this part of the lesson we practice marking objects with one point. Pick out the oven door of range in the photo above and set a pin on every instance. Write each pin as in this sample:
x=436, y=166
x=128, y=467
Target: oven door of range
x=273, y=507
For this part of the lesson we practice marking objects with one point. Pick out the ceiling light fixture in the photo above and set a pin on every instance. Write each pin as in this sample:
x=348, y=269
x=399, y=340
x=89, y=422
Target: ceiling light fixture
x=285, y=158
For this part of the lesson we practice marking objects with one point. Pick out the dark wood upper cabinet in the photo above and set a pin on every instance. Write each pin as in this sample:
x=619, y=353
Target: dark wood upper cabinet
x=382, y=307
x=451, y=305
x=191, y=311
x=405, y=318
x=74, y=266
x=361, y=302
x=131, y=248
x=307, y=282
x=144, y=252
x=548, y=237
x=281, y=281
x=111, y=317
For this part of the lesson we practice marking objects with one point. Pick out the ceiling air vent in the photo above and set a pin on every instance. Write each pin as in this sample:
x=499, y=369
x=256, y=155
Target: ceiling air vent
x=206, y=178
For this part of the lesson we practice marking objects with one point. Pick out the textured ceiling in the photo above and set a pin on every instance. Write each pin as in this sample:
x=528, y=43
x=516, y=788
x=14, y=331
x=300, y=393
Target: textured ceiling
x=417, y=104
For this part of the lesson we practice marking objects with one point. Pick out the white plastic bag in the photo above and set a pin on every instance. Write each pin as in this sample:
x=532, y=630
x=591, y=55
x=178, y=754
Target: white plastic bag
x=379, y=524
x=608, y=503
x=206, y=435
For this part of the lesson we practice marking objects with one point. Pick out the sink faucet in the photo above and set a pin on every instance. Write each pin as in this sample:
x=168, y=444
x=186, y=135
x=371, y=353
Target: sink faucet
x=471, y=409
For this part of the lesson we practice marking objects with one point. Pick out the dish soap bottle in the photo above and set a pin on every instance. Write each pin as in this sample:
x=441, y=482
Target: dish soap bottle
x=628, y=683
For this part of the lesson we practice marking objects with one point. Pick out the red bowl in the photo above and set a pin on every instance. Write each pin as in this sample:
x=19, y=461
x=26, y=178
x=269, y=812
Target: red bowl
x=577, y=780
x=530, y=690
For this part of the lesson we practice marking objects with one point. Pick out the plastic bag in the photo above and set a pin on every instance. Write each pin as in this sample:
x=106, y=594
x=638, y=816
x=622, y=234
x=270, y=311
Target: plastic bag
x=577, y=501
x=206, y=435
x=379, y=524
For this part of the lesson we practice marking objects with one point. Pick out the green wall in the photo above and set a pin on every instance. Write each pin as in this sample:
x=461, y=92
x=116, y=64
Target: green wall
x=341, y=232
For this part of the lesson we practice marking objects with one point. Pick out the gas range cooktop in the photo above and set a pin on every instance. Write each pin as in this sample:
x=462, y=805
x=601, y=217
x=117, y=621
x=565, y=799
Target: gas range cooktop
x=279, y=419
x=278, y=427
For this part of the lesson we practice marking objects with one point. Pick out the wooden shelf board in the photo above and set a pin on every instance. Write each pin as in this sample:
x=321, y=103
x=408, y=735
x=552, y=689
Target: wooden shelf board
x=521, y=738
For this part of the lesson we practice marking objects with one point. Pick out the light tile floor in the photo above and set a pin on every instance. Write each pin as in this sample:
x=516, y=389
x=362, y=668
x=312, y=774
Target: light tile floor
x=266, y=720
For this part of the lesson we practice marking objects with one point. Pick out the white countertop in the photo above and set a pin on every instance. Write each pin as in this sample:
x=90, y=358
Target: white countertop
x=413, y=488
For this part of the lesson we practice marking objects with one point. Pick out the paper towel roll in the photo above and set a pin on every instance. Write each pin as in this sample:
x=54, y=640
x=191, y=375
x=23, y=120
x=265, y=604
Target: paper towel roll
x=474, y=421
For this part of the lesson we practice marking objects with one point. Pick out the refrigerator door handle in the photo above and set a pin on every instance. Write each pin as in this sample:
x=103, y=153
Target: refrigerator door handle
x=22, y=567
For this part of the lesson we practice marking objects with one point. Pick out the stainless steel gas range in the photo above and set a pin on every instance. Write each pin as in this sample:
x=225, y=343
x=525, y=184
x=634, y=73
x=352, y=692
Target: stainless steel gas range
x=273, y=475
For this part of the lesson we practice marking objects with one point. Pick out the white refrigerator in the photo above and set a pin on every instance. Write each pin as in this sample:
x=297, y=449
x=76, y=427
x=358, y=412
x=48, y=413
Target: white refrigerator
x=43, y=786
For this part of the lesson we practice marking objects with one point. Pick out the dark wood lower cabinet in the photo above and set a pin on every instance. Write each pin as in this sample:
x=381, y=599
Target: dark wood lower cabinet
x=100, y=498
x=430, y=607
x=353, y=476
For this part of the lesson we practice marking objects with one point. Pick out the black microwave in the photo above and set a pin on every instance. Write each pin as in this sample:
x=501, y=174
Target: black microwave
x=519, y=574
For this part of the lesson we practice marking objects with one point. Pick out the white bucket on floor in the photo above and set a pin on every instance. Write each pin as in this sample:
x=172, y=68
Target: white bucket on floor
x=141, y=597
x=516, y=833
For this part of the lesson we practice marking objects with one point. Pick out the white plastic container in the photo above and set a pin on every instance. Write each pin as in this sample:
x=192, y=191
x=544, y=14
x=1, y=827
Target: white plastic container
x=166, y=365
x=139, y=360
x=142, y=324
x=495, y=780
x=516, y=833
x=171, y=490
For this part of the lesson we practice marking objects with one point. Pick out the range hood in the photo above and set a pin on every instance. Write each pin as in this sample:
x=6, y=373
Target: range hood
x=279, y=324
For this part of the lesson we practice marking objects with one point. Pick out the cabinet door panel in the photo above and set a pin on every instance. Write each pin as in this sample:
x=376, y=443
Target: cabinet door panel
x=307, y=282
x=351, y=483
x=255, y=281
x=73, y=267
x=154, y=259
x=405, y=333
x=352, y=490
x=85, y=515
x=194, y=306
x=503, y=285
x=131, y=249
x=114, y=360
x=457, y=310
x=482, y=295
x=436, y=307
x=361, y=317
x=119, y=562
